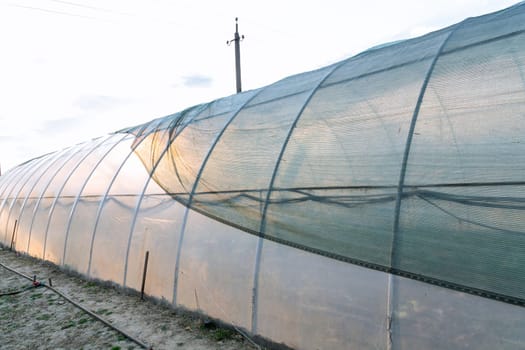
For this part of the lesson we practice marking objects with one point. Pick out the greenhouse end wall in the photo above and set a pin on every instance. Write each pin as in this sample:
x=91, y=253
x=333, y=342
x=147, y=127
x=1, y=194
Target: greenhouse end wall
x=377, y=203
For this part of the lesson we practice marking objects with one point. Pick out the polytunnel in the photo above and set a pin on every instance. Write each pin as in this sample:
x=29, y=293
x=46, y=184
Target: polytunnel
x=376, y=203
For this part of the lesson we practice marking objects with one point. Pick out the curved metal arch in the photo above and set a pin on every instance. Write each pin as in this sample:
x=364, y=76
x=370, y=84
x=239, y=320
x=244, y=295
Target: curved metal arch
x=196, y=183
x=59, y=192
x=172, y=137
x=12, y=182
x=103, y=201
x=79, y=194
x=6, y=180
x=30, y=175
x=401, y=183
x=262, y=227
x=74, y=151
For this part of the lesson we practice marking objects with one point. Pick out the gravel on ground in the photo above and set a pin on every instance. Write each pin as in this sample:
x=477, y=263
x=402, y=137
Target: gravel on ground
x=38, y=318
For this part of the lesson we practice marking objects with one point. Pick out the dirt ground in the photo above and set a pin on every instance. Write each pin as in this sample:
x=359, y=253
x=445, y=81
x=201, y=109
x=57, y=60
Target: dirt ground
x=38, y=318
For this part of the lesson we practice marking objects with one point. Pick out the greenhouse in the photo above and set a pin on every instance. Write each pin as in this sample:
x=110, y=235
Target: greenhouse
x=377, y=203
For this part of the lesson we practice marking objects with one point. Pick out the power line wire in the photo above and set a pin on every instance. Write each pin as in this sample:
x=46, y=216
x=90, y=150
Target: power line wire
x=54, y=11
x=92, y=7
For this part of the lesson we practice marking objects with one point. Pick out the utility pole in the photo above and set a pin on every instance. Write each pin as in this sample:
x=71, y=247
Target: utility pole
x=237, y=40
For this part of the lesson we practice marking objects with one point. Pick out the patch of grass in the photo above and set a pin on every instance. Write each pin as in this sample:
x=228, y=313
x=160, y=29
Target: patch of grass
x=10, y=299
x=37, y=295
x=5, y=315
x=92, y=287
x=67, y=325
x=223, y=334
x=83, y=320
x=103, y=312
x=116, y=347
x=51, y=299
x=90, y=284
x=43, y=317
x=120, y=337
x=185, y=322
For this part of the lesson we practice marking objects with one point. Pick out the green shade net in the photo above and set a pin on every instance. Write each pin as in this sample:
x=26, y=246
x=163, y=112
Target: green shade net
x=408, y=158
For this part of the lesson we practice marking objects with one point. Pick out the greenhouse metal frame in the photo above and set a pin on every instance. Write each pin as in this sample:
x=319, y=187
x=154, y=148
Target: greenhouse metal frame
x=374, y=203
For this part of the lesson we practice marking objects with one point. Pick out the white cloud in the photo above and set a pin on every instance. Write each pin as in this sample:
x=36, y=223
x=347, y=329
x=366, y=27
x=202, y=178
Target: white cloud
x=197, y=80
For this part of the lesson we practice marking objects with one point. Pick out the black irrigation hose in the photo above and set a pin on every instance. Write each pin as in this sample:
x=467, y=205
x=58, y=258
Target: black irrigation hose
x=20, y=290
x=91, y=313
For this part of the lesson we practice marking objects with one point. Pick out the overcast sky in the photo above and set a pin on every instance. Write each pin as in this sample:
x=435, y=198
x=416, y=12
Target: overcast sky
x=77, y=69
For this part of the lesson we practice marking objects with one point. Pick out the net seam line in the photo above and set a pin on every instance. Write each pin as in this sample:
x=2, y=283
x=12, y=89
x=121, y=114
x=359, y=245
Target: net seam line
x=298, y=189
x=374, y=266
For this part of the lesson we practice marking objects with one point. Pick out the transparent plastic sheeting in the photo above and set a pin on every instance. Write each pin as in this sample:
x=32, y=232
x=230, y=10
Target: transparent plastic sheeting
x=408, y=158
x=327, y=210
